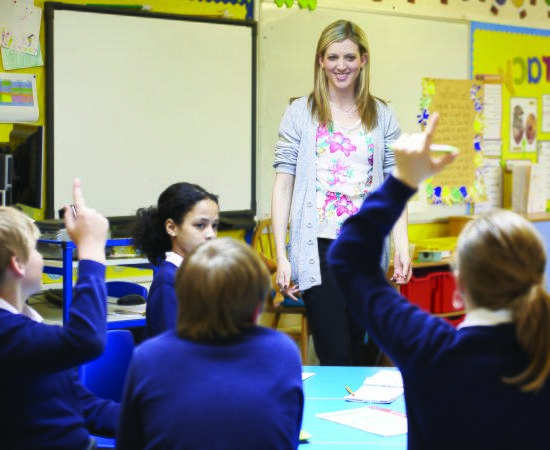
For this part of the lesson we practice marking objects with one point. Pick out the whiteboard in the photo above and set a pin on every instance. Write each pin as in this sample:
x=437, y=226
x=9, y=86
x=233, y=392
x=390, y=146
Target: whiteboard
x=403, y=49
x=137, y=101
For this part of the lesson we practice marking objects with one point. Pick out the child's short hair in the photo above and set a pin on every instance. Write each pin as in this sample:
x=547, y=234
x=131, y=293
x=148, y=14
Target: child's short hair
x=219, y=287
x=18, y=235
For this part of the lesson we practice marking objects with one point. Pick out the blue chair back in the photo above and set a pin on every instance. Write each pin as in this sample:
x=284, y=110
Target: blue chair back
x=106, y=375
x=122, y=288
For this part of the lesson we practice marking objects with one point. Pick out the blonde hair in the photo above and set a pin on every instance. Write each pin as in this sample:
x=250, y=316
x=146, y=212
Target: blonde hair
x=318, y=100
x=501, y=261
x=219, y=288
x=18, y=235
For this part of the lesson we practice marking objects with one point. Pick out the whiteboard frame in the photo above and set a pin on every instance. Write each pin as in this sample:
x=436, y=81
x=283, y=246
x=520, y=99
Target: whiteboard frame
x=244, y=183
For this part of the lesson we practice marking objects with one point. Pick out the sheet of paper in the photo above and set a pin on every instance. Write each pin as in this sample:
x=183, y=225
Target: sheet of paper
x=492, y=98
x=20, y=26
x=492, y=147
x=491, y=171
x=544, y=160
x=117, y=312
x=306, y=375
x=372, y=419
x=536, y=202
x=18, y=99
x=383, y=387
x=12, y=59
x=546, y=113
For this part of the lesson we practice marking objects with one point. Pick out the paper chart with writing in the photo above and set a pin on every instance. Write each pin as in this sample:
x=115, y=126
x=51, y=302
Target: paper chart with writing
x=544, y=160
x=460, y=107
x=372, y=419
x=384, y=386
x=546, y=113
x=492, y=113
x=18, y=98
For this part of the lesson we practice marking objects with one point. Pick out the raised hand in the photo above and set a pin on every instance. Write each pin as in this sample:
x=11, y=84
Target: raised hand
x=413, y=161
x=86, y=227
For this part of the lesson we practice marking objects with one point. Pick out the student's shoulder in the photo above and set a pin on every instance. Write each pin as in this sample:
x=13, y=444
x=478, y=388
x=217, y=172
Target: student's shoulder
x=157, y=345
x=166, y=272
x=275, y=339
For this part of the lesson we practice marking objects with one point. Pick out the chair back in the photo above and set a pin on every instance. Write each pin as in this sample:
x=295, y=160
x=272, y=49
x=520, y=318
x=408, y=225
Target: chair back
x=122, y=288
x=105, y=376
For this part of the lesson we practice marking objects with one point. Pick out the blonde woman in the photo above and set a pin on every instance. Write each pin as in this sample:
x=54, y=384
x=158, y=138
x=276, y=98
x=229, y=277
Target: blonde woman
x=333, y=150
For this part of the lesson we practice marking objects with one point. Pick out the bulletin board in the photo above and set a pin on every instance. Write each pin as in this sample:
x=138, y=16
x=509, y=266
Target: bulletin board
x=521, y=57
x=403, y=50
x=137, y=101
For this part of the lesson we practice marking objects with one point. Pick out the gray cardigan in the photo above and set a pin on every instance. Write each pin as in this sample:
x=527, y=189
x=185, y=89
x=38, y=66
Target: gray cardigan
x=295, y=155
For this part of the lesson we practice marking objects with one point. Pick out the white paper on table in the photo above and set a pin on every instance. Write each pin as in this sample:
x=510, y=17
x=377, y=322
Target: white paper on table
x=306, y=375
x=372, y=419
x=383, y=387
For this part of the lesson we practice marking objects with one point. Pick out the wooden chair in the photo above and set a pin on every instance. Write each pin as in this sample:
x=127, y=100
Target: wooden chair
x=277, y=305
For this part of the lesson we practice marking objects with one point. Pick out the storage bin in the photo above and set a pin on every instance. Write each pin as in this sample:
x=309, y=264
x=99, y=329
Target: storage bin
x=420, y=291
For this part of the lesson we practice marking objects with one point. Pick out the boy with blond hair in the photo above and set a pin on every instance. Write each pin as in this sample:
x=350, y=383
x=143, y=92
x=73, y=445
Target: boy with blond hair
x=42, y=403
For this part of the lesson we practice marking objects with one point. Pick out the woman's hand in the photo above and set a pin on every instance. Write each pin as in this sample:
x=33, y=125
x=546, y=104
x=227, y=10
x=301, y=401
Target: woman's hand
x=283, y=280
x=402, y=268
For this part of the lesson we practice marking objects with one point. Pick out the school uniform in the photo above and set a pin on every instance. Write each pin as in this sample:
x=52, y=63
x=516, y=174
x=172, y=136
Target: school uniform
x=454, y=392
x=43, y=405
x=242, y=392
x=162, y=305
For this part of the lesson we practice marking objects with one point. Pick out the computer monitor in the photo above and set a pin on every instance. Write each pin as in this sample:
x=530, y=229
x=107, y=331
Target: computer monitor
x=27, y=149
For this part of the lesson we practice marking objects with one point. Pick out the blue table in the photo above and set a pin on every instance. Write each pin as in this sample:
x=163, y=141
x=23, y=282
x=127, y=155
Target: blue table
x=324, y=392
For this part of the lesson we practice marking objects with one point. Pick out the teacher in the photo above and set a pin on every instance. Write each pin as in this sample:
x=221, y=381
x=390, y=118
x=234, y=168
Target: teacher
x=333, y=150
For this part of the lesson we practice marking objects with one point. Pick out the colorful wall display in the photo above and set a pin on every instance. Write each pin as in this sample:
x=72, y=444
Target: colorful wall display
x=460, y=107
x=521, y=57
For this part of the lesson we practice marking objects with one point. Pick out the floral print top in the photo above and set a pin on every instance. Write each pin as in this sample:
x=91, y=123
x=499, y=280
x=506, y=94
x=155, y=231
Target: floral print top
x=344, y=174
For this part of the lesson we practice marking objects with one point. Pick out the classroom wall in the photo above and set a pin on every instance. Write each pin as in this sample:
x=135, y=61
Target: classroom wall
x=291, y=78
x=191, y=7
x=455, y=11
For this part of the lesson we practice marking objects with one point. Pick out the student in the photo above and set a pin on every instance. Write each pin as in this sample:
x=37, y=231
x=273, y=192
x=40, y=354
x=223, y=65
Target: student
x=333, y=150
x=218, y=380
x=483, y=385
x=42, y=403
x=185, y=216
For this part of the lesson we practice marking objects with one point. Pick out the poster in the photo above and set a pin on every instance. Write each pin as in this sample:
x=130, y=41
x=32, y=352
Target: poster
x=523, y=120
x=18, y=100
x=460, y=107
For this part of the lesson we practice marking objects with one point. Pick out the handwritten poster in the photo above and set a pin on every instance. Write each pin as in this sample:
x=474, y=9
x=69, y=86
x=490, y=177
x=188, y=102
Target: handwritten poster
x=460, y=107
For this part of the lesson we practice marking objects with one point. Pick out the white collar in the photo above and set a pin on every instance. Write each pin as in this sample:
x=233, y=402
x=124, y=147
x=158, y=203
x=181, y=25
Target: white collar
x=174, y=258
x=486, y=317
x=26, y=311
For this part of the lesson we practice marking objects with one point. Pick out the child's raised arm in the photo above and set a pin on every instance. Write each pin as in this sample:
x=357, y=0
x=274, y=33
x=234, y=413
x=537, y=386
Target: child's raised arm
x=86, y=227
x=413, y=161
